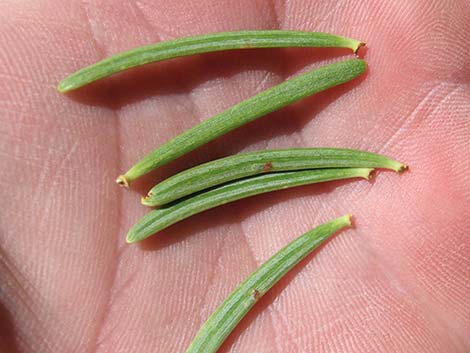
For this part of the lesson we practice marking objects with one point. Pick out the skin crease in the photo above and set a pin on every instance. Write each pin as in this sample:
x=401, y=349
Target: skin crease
x=397, y=282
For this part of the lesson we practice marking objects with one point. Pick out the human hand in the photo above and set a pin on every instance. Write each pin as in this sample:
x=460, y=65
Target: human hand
x=397, y=282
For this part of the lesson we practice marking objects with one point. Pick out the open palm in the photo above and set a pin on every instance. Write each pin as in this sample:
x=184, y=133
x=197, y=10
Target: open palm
x=398, y=281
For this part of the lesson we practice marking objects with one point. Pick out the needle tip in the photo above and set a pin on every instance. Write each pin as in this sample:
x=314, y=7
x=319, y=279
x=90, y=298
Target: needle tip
x=359, y=46
x=350, y=219
x=403, y=168
x=122, y=181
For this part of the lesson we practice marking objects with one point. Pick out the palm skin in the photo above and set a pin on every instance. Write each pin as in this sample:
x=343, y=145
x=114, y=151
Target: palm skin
x=398, y=281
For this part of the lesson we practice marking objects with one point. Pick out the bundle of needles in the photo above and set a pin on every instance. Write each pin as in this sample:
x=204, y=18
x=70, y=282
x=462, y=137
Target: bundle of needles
x=247, y=174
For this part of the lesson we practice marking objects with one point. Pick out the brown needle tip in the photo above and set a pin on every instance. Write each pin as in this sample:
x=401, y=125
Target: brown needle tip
x=359, y=46
x=403, y=168
x=122, y=181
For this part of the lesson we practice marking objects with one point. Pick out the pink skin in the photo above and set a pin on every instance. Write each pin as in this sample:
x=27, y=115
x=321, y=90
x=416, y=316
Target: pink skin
x=397, y=282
